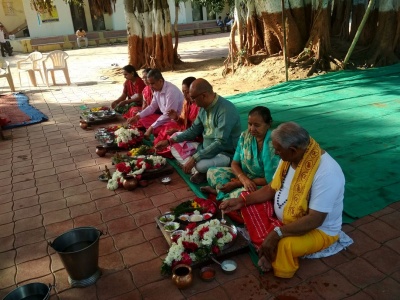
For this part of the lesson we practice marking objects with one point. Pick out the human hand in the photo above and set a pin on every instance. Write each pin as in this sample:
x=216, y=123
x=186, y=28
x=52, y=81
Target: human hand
x=171, y=131
x=114, y=104
x=134, y=119
x=269, y=246
x=231, y=204
x=161, y=144
x=248, y=184
x=148, y=132
x=172, y=114
x=187, y=168
x=228, y=187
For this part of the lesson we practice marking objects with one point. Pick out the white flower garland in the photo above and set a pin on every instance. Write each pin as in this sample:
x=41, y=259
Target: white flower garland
x=125, y=135
x=112, y=183
x=214, y=226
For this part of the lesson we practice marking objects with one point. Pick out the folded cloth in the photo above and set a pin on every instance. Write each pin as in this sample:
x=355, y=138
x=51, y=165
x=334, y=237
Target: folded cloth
x=342, y=243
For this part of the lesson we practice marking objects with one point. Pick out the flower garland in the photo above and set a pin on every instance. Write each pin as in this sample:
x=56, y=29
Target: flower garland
x=127, y=137
x=134, y=167
x=197, y=244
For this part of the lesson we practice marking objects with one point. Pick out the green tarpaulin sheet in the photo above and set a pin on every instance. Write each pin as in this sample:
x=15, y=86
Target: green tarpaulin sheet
x=355, y=117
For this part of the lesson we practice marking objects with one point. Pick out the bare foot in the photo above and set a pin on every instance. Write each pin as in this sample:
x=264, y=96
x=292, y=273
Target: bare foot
x=208, y=189
x=264, y=264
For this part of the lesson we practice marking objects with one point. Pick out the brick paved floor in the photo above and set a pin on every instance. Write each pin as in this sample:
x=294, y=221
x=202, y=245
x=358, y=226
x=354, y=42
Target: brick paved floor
x=48, y=185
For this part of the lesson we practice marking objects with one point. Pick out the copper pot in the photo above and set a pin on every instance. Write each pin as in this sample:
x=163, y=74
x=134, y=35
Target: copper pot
x=182, y=276
x=83, y=124
x=130, y=183
x=101, y=151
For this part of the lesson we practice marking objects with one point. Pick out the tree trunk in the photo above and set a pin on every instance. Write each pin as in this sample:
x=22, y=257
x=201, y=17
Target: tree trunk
x=382, y=49
x=358, y=11
x=149, y=34
x=177, y=59
x=341, y=18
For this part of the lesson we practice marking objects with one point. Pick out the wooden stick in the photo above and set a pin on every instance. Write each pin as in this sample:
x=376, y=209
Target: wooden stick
x=358, y=33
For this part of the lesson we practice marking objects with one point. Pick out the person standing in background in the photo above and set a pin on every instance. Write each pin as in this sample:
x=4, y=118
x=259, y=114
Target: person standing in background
x=5, y=47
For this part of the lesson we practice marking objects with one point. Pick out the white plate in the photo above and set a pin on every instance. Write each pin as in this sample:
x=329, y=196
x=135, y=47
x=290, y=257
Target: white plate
x=171, y=226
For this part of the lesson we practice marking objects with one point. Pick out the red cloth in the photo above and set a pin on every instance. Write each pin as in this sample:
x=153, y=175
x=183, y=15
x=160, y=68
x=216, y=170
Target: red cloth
x=130, y=89
x=147, y=95
x=187, y=117
x=260, y=220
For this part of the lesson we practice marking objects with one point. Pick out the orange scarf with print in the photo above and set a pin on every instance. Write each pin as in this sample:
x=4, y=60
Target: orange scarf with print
x=297, y=203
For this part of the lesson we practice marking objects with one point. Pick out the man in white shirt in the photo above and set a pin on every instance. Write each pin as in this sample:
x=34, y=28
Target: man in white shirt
x=3, y=43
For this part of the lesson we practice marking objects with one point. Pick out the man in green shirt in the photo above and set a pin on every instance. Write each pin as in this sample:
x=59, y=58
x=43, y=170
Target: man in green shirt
x=218, y=122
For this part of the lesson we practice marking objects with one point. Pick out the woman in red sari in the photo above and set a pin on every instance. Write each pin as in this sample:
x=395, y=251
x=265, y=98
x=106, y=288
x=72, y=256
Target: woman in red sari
x=147, y=91
x=189, y=113
x=132, y=97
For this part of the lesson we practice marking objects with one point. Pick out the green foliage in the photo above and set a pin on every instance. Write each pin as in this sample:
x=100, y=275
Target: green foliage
x=213, y=6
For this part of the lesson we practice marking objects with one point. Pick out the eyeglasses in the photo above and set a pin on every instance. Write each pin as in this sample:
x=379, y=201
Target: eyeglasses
x=198, y=95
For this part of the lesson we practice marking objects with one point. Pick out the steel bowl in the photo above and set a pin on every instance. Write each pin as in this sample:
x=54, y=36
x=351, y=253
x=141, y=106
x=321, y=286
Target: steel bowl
x=35, y=290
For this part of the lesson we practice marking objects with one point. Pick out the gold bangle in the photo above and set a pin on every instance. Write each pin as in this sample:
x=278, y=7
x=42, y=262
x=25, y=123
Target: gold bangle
x=244, y=200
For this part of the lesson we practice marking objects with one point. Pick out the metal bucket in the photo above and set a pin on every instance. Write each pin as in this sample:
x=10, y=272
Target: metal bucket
x=31, y=291
x=79, y=253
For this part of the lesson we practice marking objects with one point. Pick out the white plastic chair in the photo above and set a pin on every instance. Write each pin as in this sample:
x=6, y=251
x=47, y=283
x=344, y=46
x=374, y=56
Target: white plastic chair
x=5, y=72
x=59, y=63
x=31, y=64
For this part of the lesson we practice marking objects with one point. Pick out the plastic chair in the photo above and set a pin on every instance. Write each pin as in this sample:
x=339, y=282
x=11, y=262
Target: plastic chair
x=5, y=72
x=59, y=63
x=31, y=64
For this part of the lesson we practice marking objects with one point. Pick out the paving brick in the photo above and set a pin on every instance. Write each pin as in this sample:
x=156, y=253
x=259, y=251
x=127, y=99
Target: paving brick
x=147, y=272
x=386, y=289
x=150, y=231
x=29, y=237
x=108, y=202
x=46, y=188
x=6, y=207
x=83, y=209
x=78, y=199
x=56, y=229
x=45, y=173
x=53, y=205
x=7, y=259
x=56, y=216
x=51, y=196
x=121, y=225
x=380, y=231
x=360, y=273
x=23, y=185
x=146, y=217
x=392, y=219
x=7, y=243
x=132, y=196
x=71, y=182
x=27, y=212
x=138, y=254
x=92, y=220
x=115, y=212
x=74, y=190
x=28, y=224
x=5, y=198
x=160, y=245
x=31, y=252
x=384, y=259
x=68, y=175
x=129, y=238
x=33, y=268
x=46, y=180
x=88, y=293
x=114, y=284
x=156, y=189
x=7, y=277
x=163, y=199
x=101, y=193
x=110, y=263
x=22, y=177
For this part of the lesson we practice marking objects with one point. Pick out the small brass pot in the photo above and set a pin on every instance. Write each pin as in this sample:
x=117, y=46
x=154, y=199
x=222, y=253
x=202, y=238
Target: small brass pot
x=83, y=124
x=182, y=276
x=130, y=183
x=101, y=151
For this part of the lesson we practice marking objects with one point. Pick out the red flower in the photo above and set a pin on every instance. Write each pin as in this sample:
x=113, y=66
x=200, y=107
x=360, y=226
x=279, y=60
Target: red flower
x=215, y=249
x=219, y=235
x=190, y=246
x=191, y=226
x=123, y=145
x=123, y=168
x=203, y=231
x=186, y=259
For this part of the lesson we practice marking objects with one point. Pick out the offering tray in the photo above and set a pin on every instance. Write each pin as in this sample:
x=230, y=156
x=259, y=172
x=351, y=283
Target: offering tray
x=98, y=116
x=240, y=245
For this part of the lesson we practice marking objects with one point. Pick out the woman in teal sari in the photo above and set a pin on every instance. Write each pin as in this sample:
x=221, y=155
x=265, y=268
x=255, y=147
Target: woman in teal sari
x=253, y=164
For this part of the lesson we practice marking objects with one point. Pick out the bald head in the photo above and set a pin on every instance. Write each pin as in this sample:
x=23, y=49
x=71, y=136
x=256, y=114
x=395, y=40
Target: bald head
x=201, y=91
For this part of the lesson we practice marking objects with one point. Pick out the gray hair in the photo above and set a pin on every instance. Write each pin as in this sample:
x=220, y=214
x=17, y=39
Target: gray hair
x=155, y=74
x=291, y=134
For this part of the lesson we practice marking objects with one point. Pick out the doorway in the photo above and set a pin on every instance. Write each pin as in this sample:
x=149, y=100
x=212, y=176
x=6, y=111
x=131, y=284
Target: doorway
x=78, y=17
